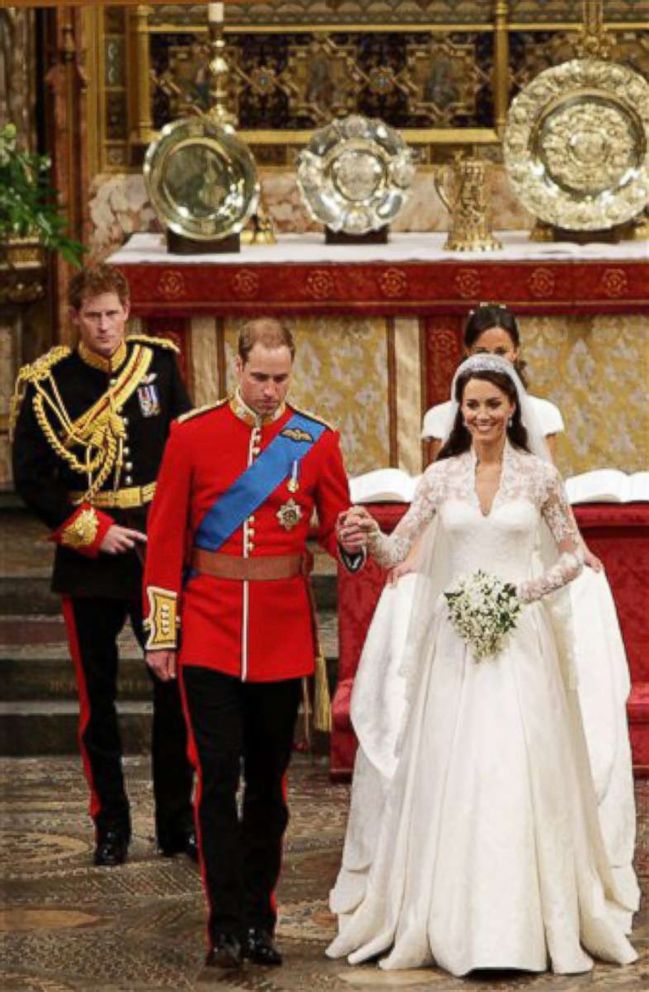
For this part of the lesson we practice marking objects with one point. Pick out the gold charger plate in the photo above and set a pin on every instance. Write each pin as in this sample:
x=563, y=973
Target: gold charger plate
x=576, y=145
x=201, y=179
x=355, y=174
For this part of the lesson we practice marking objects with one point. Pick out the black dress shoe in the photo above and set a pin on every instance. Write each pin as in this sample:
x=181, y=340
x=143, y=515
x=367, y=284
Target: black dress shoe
x=180, y=842
x=111, y=849
x=225, y=952
x=260, y=947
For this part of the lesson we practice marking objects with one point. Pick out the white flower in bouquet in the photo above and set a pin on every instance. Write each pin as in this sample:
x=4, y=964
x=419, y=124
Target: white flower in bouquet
x=483, y=609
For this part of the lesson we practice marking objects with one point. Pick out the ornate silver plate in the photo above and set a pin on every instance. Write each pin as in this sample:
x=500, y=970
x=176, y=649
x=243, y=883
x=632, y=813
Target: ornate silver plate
x=576, y=145
x=355, y=174
x=201, y=179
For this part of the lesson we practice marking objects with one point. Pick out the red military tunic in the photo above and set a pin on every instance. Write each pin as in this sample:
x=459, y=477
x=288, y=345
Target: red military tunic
x=257, y=630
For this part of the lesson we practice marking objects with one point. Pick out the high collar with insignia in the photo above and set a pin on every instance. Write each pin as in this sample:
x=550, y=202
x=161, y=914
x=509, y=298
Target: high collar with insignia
x=241, y=410
x=107, y=365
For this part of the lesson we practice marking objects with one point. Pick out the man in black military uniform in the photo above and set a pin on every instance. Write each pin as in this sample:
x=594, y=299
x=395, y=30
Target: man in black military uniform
x=89, y=435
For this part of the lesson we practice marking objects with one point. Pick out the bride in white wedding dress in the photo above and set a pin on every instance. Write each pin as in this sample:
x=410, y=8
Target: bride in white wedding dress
x=473, y=839
x=600, y=657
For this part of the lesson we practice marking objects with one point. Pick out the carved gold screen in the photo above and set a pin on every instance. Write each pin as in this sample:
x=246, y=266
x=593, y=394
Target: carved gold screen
x=442, y=71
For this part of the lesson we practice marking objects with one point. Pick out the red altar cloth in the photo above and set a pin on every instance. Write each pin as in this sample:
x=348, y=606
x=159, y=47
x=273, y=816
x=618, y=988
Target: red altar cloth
x=618, y=533
x=412, y=275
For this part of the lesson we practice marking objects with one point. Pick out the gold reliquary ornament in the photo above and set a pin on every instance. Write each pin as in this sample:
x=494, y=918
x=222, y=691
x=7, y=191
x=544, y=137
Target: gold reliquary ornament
x=200, y=176
x=463, y=189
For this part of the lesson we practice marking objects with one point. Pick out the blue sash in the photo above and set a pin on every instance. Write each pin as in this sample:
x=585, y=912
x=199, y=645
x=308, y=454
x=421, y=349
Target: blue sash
x=259, y=480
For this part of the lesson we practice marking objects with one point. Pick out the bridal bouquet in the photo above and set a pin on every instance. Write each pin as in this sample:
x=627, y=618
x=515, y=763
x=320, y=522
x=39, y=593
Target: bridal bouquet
x=483, y=608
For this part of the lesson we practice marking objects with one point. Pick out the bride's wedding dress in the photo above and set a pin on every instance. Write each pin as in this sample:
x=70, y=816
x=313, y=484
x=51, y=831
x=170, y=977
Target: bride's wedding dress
x=473, y=839
x=600, y=660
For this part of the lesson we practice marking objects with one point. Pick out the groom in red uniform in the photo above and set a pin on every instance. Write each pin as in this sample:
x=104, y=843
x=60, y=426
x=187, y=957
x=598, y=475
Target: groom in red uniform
x=226, y=598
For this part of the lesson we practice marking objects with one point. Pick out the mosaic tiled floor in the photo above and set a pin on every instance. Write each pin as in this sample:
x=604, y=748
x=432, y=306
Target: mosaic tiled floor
x=70, y=927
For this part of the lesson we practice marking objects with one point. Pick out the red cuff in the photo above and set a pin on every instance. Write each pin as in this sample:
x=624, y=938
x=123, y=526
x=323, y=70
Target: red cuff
x=84, y=530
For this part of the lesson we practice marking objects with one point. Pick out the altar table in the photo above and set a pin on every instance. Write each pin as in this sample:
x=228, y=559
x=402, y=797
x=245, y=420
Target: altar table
x=411, y=274
x=618, y=533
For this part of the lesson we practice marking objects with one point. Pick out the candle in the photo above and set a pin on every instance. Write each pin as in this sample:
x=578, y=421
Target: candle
x=216, y=12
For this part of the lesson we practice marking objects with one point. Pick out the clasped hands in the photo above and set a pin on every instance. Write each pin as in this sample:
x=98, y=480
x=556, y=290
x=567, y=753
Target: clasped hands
x=353, y=528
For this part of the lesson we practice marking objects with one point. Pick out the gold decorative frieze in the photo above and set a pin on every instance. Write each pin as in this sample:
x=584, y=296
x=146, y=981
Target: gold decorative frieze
x=441, y=72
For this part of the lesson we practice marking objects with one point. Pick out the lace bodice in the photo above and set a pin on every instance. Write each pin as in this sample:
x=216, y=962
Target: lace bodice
x=502, y=541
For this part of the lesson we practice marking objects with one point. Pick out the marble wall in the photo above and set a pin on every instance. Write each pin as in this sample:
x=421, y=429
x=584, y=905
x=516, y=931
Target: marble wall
x=119, y=205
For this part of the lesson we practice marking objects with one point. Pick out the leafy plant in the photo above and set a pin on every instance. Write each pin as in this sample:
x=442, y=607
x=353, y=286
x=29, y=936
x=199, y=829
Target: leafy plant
x=28, y=204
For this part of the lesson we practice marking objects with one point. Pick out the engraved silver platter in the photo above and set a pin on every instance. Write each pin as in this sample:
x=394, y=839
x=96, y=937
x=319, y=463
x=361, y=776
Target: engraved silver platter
x=355, y=174
x=201, y=179
x=576, y=145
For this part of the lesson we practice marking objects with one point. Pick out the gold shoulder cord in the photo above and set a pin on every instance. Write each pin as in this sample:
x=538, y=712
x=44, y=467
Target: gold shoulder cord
x=34, y=373
x=39, y=374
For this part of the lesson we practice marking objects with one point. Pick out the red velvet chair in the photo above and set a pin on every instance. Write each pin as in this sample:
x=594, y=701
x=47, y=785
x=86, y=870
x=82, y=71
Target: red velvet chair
x=618, y=533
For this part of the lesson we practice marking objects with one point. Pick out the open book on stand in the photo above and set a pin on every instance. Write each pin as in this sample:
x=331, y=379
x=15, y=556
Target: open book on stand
x=604, y=485
x=608, y=485
x=384, y=485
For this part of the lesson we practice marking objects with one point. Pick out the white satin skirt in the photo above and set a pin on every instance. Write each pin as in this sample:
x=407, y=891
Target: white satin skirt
x=481, y=846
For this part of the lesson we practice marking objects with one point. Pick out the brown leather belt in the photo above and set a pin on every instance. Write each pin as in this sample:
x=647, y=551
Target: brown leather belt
x=264, y=568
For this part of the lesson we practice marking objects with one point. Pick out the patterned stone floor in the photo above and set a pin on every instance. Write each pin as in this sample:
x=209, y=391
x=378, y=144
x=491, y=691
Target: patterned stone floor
x=70, y=927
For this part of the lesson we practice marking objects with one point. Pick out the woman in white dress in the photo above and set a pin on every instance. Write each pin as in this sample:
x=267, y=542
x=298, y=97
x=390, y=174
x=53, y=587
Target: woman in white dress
x=473, y=839
x=493, y=329
x=603, y=671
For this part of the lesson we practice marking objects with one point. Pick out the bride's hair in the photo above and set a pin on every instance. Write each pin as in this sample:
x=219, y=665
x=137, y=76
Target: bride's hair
x=459, y=440
x=488, y=315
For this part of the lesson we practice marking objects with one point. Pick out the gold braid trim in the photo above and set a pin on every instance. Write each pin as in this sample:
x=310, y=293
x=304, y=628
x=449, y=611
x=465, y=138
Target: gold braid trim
x=100, y=431
x=197, y=411
x=81, y=533
x=162, y=620
x=313, y=416
x=34, y=373
x=103, y=441
x=113, y=399
x=161, y=342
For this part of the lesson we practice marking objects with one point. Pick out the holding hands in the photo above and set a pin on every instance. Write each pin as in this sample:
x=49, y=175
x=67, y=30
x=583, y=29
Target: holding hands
x=354, y=527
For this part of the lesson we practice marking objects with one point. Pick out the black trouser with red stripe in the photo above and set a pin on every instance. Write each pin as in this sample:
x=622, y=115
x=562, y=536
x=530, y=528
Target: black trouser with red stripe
x=93, y=625
x=230, y=722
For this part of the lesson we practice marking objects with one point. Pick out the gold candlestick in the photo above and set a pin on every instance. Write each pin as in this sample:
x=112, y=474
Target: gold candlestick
x=218, y=68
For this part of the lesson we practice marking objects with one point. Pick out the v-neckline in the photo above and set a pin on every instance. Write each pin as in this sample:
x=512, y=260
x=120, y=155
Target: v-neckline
x=474, y=488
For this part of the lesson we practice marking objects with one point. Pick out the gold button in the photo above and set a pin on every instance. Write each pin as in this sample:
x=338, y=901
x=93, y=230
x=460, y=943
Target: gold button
x=125, y=421
x=127, y=451
x=256, y=451
x=128, y=480
x=251, y=518
x=129, y=466
x=251, y=532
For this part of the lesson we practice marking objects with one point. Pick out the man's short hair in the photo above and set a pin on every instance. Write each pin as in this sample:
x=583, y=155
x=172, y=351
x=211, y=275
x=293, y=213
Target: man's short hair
x=267, y=331
x=94, y=280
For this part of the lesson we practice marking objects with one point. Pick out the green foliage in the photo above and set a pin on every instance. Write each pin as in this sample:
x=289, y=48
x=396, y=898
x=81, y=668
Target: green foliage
x=28, y=204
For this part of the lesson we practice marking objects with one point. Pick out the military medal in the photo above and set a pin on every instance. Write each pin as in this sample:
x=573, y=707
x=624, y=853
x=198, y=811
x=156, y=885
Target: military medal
x=293, y=485
x=289, y=514
x=149, y=400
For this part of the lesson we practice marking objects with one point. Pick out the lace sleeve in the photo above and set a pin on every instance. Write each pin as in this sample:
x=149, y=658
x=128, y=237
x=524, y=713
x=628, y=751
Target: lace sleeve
x=559, y=517
x=389, y=550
